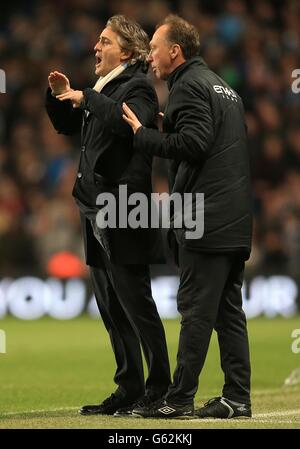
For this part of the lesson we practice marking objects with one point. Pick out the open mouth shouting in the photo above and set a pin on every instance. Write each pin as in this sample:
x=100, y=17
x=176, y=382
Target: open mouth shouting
x=98, y=60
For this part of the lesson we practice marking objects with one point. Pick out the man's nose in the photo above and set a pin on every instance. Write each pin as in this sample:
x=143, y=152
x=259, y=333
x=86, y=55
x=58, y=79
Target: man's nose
x=149, y=57
x=97, y=46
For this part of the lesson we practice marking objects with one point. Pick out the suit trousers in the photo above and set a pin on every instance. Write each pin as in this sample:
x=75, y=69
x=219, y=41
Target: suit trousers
x=124, y=298
x=209, y=297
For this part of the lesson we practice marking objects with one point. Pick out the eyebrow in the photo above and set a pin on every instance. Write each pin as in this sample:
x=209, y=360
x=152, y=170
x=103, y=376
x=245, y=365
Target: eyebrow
x=104, y=38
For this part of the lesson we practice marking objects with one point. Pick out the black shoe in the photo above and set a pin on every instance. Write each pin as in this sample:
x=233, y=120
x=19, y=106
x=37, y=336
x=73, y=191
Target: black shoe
x=223, y=408
x=126, y=412
x=164, y=409
x=108, y=407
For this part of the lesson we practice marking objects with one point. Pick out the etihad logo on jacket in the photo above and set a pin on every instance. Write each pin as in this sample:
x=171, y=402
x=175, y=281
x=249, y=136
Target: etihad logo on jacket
x=227, y=93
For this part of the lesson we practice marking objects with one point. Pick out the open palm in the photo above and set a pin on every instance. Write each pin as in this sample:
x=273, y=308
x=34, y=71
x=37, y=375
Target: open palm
x=58, y=83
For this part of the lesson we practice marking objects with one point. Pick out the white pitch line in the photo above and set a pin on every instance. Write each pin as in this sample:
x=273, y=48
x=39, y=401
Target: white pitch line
x=281, y=413
x=257, y=417
x=25, y=412
x=254, y=393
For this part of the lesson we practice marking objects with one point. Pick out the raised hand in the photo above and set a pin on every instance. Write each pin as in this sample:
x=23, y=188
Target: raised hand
x=58, y=83
x=131, y=118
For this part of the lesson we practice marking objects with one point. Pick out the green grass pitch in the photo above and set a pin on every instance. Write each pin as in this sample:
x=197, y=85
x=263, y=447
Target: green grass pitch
x=51, y=368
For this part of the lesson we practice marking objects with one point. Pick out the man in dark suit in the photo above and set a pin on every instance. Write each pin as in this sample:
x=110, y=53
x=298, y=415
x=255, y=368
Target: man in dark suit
x=204, y=136
x=119, y=257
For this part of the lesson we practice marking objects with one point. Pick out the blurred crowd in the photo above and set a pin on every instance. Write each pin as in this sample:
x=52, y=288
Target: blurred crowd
x=253, y=45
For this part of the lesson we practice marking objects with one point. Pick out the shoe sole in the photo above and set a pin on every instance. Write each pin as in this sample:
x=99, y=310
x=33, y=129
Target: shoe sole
x=242, y=417
x=123, y=416
x=93, y=414
x=135, y=415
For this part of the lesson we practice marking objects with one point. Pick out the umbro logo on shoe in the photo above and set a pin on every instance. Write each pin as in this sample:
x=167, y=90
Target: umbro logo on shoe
x=163, y=409
x=166, y=410
x=242, y=409
x=223, y=408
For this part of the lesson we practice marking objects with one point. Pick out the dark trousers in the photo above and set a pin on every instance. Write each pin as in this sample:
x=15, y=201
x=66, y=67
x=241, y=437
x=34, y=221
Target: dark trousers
x=124, y=298
x=209, y=297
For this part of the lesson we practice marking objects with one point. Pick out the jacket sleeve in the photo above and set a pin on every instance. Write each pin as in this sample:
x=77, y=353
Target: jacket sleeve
x=140, y=98
x=191, y=117
x=65, y=119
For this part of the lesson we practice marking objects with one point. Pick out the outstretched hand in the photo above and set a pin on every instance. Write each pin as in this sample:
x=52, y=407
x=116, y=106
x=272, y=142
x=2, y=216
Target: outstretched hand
x=131, y=118
x=76, y=97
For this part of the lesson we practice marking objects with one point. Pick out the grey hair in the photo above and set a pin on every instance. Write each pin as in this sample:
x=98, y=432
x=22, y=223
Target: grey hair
x=131, y=37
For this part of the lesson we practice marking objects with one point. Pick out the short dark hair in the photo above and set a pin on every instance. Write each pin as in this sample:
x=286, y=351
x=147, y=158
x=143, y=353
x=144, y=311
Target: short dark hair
x=184, y=34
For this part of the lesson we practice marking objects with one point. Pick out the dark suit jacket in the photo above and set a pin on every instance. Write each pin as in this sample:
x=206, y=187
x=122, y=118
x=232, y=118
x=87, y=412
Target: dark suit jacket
x=108, y=160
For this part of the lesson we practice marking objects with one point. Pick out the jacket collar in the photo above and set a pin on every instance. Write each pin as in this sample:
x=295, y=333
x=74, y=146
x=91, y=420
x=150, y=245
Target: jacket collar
x=180, y=70
x=129, y=72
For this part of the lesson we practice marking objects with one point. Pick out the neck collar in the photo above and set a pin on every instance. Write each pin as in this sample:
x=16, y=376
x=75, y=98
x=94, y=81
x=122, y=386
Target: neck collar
x=178, y=72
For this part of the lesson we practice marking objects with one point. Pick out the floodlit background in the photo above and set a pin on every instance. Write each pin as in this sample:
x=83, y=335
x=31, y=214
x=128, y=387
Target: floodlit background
x=51, y=365
x=253, y=45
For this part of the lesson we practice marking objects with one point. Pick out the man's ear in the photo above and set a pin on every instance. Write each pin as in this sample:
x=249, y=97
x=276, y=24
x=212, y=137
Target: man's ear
x=125, y=55
x=175, y=51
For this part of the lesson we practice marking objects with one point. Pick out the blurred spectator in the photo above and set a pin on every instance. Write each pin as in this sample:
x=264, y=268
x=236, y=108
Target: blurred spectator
x=253, y=45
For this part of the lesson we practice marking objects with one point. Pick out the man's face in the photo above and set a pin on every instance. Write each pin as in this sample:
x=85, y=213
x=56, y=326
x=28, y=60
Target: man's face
x=108, y=54
x=160, y=53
